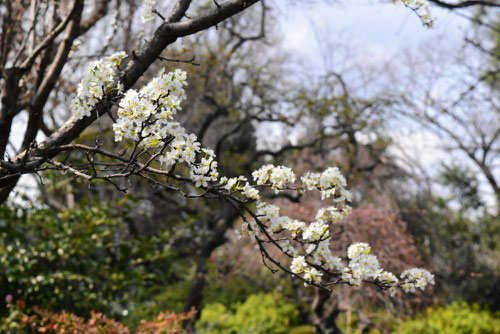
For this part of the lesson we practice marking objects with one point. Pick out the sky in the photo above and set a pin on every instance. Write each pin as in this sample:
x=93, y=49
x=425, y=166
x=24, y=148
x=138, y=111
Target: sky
x=379, y=26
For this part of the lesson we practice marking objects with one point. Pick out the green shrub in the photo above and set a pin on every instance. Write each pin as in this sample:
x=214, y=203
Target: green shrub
x=232, y=289
x=456, y=318
x=260, y=313
x=170, y=297
x=79, y=260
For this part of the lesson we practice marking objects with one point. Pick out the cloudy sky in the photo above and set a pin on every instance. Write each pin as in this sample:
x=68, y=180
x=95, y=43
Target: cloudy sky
x=380, y=26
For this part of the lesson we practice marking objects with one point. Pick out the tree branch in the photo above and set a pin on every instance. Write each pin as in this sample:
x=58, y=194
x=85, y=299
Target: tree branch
x=465, y=4
x=165, y=35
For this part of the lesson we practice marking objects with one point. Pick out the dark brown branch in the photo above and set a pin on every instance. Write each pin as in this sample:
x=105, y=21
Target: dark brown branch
x=51, y=36
x=465, y=4
x=188, y=61
x=99, y=12
x=50, y=79
x=179, y=11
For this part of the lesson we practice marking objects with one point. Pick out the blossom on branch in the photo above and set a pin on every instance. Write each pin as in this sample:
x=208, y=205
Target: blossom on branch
x=147, y=118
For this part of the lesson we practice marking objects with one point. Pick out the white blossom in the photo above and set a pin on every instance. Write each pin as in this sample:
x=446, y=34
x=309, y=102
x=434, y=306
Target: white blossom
x=295, y=227
x=316, y=231
x=299, y=265
x=148, y=8
x=332, y=214
x=312, y=275
x=355, y=250
x=280, y=176
x=96, y=82
x=261, y=175
x=289, y=249
x=311, y=180
x=422, y=8
x=251, y=192
x=231, y=183
x=416, y=278
x=334, y=263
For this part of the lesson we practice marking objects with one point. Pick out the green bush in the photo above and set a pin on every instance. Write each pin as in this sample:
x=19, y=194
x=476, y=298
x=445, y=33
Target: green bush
x=169, y=297
x=260, y=313
x=231, y=289
x=79, y=260
x=456, y=318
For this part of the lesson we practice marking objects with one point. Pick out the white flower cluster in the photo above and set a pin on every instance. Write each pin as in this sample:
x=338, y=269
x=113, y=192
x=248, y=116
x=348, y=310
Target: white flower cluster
x=148, y=7
x=96, y=82
x=235, y=184
x=332, y=214
x=390, y=280
x=250, y=192
x=322, y=255
x=416, y=278
x=232, y=184
x=295, y=226
x=272, y=213
x=278, y=223
x=206, y=171
x=331, y=183
x=299, y=267
x=278, y=176
x=362, y=265
x=288, y=248
x=251, y=228
x=422, y=8
x=184, y=148
x=315, y=231
x=147, y=114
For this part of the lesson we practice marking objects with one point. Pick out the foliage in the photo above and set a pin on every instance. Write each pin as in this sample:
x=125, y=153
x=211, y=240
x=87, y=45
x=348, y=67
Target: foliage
x=456, y=318
x=260, y=313
x=42, y=321
x=463, y=248
x=170, y=297
x=231, y=280
x=229, y=291
x=464, y=184
x=80, y=259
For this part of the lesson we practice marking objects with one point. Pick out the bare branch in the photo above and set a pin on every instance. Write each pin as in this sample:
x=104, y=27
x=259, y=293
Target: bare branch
x=465, y=4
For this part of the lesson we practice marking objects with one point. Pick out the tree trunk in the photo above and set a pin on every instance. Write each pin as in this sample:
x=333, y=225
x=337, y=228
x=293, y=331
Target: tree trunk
x=322, y=318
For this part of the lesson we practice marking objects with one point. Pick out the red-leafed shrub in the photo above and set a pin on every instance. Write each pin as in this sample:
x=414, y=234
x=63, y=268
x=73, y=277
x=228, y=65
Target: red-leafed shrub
x=165, y=322
x=36, y=320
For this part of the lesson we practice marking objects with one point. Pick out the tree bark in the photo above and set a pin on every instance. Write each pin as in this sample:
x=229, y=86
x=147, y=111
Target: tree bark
x=321, y=318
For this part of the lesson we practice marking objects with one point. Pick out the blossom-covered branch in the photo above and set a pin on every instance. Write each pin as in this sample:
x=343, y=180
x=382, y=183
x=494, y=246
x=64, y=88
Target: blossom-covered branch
x=146, y=117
